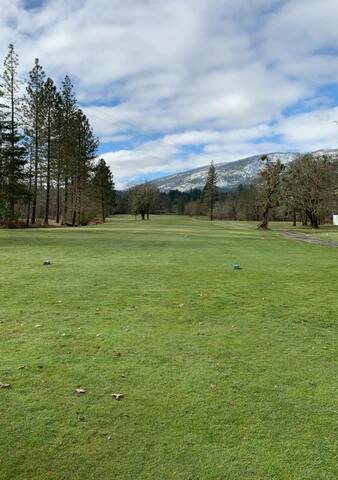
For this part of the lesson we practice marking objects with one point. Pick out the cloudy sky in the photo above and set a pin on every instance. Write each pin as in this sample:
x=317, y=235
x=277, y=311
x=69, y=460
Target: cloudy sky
x=172, y=84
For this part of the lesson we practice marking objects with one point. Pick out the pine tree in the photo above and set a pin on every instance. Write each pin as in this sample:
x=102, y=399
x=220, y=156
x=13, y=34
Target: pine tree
x=58, y=150
x=34, y=111
x=83, y=156
x=2, y=171
x=59, y=145
x=50, y=107
x=104, y=188
x=209, y=194
x=13, y=152
x=68, y=113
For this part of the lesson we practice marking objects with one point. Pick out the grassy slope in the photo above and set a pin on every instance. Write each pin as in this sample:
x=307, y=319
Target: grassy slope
x=264, y=335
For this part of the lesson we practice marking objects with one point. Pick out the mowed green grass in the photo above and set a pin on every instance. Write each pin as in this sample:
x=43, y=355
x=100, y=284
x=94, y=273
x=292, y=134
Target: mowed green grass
x=225, y=374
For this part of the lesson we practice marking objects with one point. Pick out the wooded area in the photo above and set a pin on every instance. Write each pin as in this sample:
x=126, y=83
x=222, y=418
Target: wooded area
x=303, y=190
x=48, y=171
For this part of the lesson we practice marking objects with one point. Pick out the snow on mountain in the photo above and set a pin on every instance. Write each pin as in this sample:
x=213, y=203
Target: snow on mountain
x=230, y=174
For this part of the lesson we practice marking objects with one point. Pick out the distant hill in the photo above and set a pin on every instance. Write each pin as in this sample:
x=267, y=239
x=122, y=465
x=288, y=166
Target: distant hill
x=230, y=174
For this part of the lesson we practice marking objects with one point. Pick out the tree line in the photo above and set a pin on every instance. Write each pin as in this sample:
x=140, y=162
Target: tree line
x=304, y=191
x=48, y=167
x=49, y=173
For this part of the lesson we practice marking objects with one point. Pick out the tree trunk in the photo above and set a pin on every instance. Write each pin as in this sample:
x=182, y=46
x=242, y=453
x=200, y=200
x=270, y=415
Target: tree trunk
x=58, y=199
x=294, y=217
x=11, y=201
x=65, y=204
x=29, y=189
x=103, y=209
x=58, y=179
x=265, y=221
x=36, y=163
x=211, y=211
x=314, y=220
x=48, y=171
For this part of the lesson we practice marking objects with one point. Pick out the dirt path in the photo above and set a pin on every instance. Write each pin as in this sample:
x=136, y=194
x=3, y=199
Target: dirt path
x=303, y=237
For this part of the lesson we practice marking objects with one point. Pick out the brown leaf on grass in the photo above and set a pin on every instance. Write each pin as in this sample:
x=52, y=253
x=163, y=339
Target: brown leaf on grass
x=213, y=386
x=5, y=385
x=117, y=396
x=80, y=390
x=22, y=367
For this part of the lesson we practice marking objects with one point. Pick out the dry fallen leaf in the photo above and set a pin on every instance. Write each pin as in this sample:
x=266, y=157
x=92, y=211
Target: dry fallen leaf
x=5, y=385
x=80, y=390
x=22, y=367
x=117, y=396
x=213, y=386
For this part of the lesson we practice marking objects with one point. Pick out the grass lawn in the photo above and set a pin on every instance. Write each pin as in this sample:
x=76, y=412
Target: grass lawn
x=225, y=374
x=324, y=232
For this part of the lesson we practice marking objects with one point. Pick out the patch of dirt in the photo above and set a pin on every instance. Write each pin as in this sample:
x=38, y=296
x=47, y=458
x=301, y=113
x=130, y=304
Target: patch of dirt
x=303, y=237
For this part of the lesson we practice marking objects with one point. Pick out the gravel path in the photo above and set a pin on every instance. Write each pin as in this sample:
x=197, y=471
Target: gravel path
x=303, y=237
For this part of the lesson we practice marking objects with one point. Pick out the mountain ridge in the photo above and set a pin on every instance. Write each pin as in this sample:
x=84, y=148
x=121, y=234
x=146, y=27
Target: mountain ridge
x=230, y=174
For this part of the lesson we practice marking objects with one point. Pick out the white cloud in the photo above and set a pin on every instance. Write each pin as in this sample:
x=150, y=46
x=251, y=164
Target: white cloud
x=189, y=72
x=310, y=131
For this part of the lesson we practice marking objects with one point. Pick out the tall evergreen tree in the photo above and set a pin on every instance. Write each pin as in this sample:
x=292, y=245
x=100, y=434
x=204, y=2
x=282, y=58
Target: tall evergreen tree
x=68, y=112
x=13, y=151
x=209, y=194
x=50, y=107
x=104, y=188
x=83, y=155
x=2, y=165
x=58, y=142
x=34, y=118
x=58, y=150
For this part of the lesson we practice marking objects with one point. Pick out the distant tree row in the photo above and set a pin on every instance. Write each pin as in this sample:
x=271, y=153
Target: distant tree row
x=304, y=190
x=47, y=153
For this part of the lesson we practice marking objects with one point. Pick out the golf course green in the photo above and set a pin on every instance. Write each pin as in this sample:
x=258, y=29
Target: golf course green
x=223, y=374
